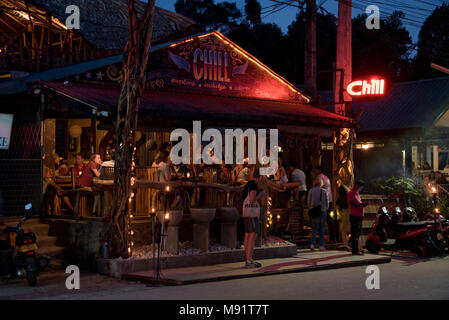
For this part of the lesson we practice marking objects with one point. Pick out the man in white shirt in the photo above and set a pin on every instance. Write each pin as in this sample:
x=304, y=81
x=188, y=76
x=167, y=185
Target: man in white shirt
x=297, y=177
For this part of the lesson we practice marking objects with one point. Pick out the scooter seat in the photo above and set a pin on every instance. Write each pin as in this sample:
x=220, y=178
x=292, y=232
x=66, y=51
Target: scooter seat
x=411, y=225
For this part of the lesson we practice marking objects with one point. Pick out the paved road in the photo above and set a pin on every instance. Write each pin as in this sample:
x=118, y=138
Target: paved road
x=403, y=278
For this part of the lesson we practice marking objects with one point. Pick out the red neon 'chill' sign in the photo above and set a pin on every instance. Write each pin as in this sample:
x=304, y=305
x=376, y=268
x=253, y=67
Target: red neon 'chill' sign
x=364, y=87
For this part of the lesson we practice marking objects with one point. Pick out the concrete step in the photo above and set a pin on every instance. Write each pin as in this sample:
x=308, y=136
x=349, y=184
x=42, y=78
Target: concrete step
x=39, y=229
x=46, y=241
x=52, y=251
x=58, y=263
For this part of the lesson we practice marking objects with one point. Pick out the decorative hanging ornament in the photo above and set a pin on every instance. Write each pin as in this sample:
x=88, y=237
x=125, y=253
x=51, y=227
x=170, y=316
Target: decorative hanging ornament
x=75, y=131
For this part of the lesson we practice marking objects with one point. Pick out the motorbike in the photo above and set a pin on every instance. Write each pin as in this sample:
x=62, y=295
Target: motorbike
x=439, y=231
x=389, y=232
x=18, y=252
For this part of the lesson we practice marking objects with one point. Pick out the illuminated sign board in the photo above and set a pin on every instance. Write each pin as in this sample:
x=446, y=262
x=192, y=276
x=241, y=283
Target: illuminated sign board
x=5, y=130
x=373, y=87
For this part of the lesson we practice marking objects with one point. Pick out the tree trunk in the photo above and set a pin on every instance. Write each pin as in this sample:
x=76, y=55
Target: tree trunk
x=135, y=62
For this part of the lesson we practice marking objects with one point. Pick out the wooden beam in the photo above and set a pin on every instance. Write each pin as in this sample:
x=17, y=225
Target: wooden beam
x=49, y=40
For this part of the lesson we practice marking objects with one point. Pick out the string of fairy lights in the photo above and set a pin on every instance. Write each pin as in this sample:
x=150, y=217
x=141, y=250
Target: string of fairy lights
x=130, y=205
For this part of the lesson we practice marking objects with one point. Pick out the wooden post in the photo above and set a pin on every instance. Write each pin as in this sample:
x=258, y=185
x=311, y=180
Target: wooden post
x=342, y=154
x=49, y=41
x=310, y=63
x=435, y=158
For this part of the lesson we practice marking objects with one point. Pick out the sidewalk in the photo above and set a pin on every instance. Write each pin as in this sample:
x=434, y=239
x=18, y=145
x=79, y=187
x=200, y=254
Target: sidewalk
x=304, y=261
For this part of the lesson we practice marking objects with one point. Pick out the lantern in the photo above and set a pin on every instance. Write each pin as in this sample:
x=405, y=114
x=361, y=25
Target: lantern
x=75, y=131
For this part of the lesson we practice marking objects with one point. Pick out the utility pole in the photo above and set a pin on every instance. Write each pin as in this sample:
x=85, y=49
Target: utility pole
x=343, y=164
x=310, y=63
x=344, y=57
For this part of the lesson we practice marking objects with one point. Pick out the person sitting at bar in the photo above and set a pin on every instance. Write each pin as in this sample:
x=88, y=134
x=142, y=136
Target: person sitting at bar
x=63, y=170
x=240, y=173
x=280, y=174
x=162, y=163
x=298, y=179
x=79, y=164
x=224, y=174
x=89, y=171
x=107, y=168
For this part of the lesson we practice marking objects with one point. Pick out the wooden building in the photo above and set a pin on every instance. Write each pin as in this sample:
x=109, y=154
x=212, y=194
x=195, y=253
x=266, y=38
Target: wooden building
x=35, y=45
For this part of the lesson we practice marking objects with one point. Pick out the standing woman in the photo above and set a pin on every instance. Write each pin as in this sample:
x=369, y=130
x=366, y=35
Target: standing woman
x=318, y=198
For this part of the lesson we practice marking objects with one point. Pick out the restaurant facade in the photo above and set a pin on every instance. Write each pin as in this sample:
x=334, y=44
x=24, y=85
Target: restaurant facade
x=204, y=77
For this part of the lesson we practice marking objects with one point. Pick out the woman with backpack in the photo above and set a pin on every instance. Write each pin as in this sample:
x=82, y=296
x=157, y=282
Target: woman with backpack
x=318, y=202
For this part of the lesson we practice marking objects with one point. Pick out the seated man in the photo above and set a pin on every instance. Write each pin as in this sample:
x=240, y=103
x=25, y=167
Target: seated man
x=79, y=164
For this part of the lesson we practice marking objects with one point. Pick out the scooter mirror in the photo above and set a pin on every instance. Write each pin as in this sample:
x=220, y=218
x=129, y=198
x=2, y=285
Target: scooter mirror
x=28, y=206
x=384, y=210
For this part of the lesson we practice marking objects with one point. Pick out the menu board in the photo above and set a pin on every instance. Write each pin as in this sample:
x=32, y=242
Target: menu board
x=5, y=130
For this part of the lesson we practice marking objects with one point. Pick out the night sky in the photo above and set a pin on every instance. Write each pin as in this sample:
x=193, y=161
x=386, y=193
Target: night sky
x=416, y=11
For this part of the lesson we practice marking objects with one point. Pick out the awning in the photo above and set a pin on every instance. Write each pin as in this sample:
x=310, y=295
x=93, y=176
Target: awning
x=177, y=108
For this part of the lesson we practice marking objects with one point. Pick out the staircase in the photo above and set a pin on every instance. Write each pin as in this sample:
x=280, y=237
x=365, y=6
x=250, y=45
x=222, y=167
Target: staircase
x=47, y=244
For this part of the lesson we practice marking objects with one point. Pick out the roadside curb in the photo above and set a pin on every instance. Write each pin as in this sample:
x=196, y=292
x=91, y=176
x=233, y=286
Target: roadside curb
x=330, y=266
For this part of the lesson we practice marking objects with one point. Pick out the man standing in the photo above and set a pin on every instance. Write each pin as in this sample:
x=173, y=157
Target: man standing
x=297, y=178
x=318, y=172
x=251, y=216
x=356, y=215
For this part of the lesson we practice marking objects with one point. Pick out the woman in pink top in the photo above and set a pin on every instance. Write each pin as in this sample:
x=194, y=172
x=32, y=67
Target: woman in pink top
x=356, y=215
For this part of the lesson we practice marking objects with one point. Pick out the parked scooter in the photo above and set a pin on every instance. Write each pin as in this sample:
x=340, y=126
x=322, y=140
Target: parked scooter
x=439, y=231
x=389, y=233
x=18, y=248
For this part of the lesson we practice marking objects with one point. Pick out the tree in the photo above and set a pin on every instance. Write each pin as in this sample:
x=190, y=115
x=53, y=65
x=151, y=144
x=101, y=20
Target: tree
x=433, y=43
x=135, y=62
x=383, y=51
x=207, y=14
x=271, y=51
x=252, y=11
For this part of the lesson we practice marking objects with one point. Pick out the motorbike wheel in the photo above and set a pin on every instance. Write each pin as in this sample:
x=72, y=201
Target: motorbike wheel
x=372, y=246
x=424, y=248
x=32, y=278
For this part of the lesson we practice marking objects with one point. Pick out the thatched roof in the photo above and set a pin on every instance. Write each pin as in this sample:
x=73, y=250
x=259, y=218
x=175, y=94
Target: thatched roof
x=104, y=23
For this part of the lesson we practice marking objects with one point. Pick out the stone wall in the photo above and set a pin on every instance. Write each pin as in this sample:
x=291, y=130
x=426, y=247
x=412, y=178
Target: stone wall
x=81, y=240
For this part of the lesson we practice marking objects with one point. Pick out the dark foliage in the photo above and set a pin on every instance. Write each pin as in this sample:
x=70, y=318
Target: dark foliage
x=381, y=51
x=433, y=44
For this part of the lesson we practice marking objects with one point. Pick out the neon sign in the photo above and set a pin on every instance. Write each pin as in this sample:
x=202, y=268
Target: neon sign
x=366, y=88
